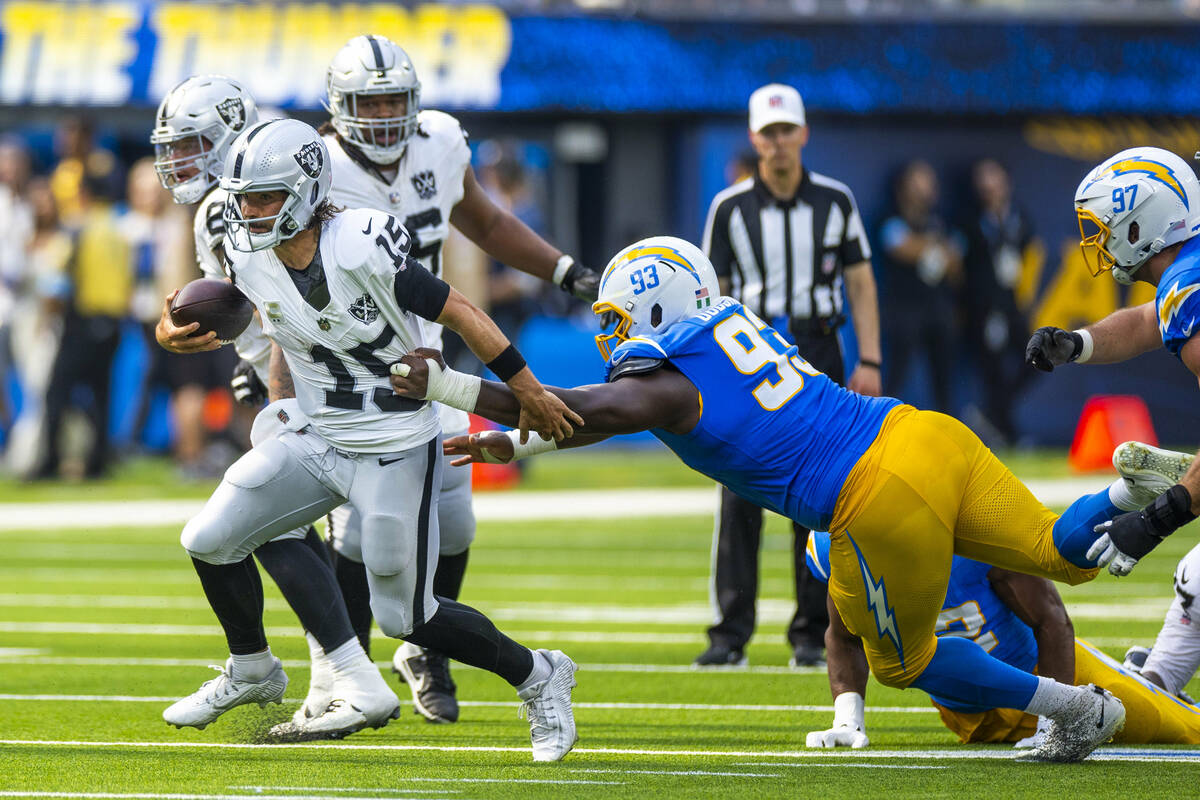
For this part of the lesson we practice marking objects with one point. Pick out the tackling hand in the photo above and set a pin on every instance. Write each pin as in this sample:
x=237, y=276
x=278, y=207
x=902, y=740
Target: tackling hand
x=1052, y=347
x=486, y=447
x=583, y=282
x=1127, y=538
x=410, y=375
x=248, y=389
x=840, y=736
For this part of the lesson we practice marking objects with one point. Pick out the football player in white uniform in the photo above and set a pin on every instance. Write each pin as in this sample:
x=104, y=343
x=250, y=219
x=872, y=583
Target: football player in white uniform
x=340, y=298
x=194, y=127
x=389, y=154
x=1175, y=657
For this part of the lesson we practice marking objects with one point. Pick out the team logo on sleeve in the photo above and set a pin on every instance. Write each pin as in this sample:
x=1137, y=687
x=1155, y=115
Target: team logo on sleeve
x=232, y=112
x=310, y=159
x=364, y=310
x=425, y=184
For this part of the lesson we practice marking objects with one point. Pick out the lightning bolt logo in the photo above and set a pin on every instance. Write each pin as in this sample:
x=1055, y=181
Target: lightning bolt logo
x=656, y=252
x=1156, y=171
x=885, y=617
x=1172, y=304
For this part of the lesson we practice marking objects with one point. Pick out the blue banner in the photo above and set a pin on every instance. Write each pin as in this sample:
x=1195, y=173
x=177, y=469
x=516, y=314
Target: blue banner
x=475, y=57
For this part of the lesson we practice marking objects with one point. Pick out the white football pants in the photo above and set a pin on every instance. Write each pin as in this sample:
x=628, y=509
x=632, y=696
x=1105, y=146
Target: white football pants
x=1176, y=653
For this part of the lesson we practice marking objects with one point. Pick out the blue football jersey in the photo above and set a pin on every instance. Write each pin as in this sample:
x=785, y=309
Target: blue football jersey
x=773, y=429
x=972, y=609
x=1177, y=299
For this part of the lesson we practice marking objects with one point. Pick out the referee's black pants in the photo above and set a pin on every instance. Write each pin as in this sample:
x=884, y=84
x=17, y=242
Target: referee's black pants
x=739, y=537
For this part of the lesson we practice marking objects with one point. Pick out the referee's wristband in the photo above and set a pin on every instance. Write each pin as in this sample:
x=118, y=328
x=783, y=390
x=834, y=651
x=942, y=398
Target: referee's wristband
x=506, y=365
x=862, y=362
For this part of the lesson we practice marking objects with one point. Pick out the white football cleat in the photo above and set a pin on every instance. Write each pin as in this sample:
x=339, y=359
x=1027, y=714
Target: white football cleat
x=359, y=698
x=548, y=707
x=1089, y=721
x=222, y=693
x=1037, y=739
x=1149, y=471
x=320, y=691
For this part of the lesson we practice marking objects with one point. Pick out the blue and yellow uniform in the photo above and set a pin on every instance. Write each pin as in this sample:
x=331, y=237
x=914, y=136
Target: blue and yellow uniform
x=1177, y=298
x=901, y=490
x=973, y=610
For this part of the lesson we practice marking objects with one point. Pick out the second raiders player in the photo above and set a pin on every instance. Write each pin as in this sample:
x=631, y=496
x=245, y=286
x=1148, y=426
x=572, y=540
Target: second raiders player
x=389, y=154
x=339, y=297
x=195, y=125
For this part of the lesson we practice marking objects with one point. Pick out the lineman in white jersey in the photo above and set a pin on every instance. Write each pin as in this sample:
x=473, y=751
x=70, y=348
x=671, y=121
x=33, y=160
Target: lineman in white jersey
x=195, y=125
x=1175, y=657
x=388, y=154
x=340, y=298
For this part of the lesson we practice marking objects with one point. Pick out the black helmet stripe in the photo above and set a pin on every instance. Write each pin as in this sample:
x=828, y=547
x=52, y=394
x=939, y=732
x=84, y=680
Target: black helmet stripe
x=378, y=53
x=237, y=164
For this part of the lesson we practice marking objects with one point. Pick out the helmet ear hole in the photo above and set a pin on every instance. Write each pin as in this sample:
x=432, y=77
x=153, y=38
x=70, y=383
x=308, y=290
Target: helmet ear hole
x=656, y=314
x=1135, y=233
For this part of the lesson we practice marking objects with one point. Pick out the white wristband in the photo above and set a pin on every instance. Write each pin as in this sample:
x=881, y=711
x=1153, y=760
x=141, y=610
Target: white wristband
x=565, y=262
x=848, y=708
x=533, y=447
x=455, y=389
x=1085, y=352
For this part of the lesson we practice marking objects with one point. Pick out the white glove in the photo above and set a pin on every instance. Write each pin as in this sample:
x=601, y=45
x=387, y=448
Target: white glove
x=1104, y=552
x=1039, y=736
x=848, y=729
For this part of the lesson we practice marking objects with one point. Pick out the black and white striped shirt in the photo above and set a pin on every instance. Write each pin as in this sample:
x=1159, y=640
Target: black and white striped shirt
x=784, y=258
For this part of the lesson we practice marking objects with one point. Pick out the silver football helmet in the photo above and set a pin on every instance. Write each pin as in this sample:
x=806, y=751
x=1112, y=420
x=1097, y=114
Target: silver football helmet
x=280, y=155
x=195, y=124
x=373, y=65
x=1132, y=206
x=652, y=284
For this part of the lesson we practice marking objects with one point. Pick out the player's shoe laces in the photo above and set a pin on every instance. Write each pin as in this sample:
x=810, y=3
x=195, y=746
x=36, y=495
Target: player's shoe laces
x=1089, y=721
x=360, y=699
x=427, y=674
x=222, y=693
x=1149, y=471
x=320, y=689
x=548, y=707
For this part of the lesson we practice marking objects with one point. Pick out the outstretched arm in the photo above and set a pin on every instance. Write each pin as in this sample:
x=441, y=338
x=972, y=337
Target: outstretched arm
x=1118, y=337
x=1037, y=603
x=848, y=673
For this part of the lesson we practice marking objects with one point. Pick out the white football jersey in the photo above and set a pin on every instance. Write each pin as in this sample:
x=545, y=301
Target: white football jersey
x=339, y=356
x=208, y=228
x=428, y=184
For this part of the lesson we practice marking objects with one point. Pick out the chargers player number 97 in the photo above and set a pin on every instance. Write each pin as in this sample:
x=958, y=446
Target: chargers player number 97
x=1119, y=196
x=745, y=345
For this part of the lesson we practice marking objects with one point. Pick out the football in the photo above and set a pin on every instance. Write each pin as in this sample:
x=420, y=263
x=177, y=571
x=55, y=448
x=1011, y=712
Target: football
x=217, y=305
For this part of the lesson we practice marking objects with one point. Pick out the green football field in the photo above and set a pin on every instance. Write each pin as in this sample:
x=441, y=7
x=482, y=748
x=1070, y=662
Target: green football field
x=102, y=627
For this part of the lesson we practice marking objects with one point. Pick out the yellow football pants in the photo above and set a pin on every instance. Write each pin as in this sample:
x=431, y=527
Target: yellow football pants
x=1151, y=715
x=926, y=489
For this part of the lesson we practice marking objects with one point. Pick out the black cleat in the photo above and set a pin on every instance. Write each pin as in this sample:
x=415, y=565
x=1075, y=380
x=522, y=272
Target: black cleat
x=428, y=676
x=719, y=655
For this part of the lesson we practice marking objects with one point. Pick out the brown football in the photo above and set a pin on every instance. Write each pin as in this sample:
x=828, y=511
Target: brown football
x=217, y=305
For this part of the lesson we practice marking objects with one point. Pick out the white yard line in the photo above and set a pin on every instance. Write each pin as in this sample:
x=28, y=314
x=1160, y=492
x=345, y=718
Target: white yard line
x=956, y=753
x=707, y=707
x=155, y=796
x=489, y=507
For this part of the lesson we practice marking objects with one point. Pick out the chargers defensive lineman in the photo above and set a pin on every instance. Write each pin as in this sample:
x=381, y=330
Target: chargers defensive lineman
x=339, y=297
x=901, y=490
x=195, y=125
x=1020, y=620
x=1139, y=213
x=388, y=153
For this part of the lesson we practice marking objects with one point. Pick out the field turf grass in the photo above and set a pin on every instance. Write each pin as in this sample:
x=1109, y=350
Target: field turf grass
x=101, y=629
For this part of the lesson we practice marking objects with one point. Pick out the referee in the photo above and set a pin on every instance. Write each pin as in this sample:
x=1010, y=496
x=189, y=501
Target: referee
x=783, y=243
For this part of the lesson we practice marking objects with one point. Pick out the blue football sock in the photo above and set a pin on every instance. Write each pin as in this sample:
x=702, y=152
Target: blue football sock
x=963, y=677
x=1073, y=533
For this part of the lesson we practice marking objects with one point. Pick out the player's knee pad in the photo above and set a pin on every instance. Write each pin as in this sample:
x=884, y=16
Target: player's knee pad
x=456, y=527
x=389, y=543
x=206, y=538
x=282, y=415
x=395, y=618
x=345, y=528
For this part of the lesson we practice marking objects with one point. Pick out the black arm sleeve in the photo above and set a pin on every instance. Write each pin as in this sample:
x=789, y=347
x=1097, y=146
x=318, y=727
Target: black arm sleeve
x=420, y=291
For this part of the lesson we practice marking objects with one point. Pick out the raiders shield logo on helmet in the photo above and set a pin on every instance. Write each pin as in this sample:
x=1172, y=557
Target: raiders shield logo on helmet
x=425, y=184
x=310, y=160
x=364, y=310
x=233, y=112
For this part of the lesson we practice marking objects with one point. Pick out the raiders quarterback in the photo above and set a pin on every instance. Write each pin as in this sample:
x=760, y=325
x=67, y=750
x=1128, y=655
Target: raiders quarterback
x=194, y=127
x=340, y=298
x=388, y=153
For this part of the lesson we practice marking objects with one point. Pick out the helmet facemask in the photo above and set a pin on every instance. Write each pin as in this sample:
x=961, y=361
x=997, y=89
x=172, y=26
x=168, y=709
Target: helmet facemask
x=381, y=139
x=284, y=224
x=190, y=153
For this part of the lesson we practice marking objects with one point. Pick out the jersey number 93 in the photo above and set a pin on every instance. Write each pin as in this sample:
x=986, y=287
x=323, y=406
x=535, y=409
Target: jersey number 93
x=742, y=338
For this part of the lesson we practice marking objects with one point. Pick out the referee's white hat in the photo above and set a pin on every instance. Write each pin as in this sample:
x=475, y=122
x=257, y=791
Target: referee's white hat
x=773, y=103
